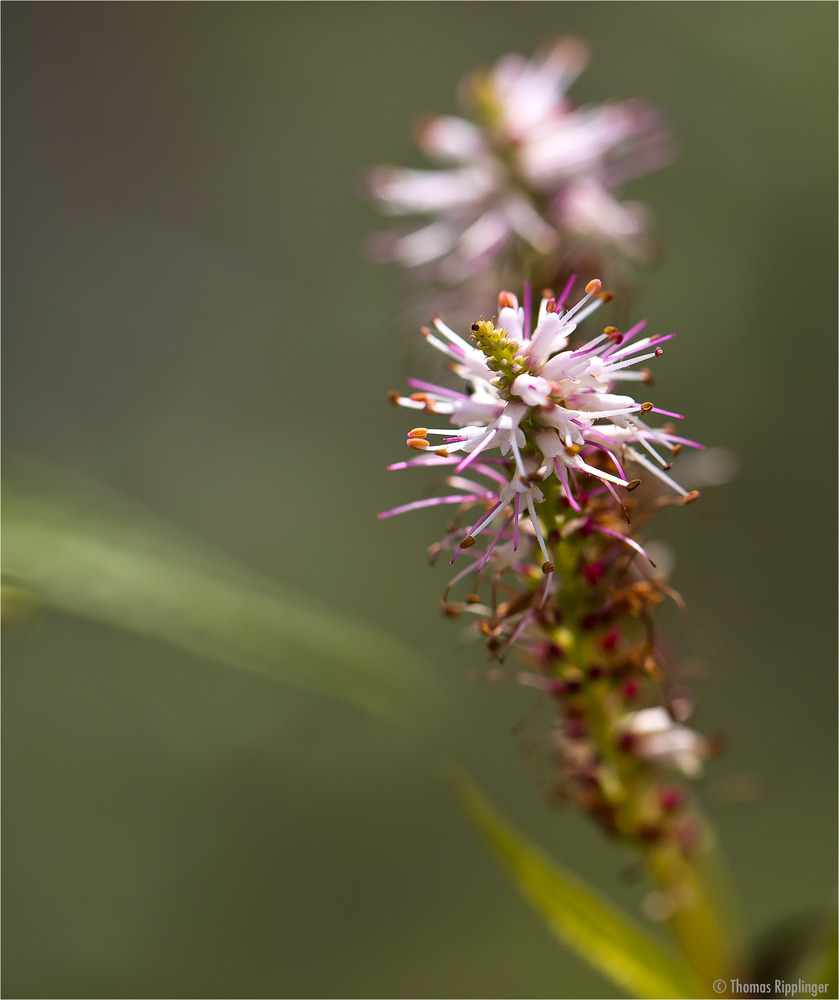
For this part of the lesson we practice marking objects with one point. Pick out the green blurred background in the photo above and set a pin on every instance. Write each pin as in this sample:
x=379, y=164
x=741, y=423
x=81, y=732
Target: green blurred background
x=190, y=318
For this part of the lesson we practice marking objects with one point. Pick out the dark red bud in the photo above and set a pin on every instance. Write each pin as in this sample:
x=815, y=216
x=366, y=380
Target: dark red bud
x=627, y=742
x=630, y=689
x=670, y=798
x=610, y=639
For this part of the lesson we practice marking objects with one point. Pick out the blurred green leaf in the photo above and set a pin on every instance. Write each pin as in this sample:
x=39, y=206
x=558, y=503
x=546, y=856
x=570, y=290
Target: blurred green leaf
x=575, y=912
x=83, y=550
x=20, y=606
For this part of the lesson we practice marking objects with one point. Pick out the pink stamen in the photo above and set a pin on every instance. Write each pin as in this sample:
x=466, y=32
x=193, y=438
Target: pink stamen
x=470, y=458
x=560, y=302
x=548, y=578
x=464, y=572
x=433, y=502
x=516, y=522
x=518, y=631
x=416, y=383
x=592, y=345
x=494, y=542
x=486, y=520
x=423, y=461
x=642, y=346
x=626, y=337
x=490, y=473
x=624, y=538
x=528, y=290
x=614, y=493
x=562, y=474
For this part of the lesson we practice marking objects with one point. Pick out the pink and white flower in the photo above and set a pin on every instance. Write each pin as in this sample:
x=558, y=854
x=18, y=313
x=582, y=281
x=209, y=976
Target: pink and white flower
x=528, y=172
x=536, y=407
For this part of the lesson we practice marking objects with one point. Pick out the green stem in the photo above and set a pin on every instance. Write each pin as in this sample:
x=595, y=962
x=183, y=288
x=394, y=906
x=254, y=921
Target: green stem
x=699, y=922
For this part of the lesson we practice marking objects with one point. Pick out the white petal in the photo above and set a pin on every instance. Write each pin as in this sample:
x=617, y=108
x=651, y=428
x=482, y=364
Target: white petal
x=452, y=139
x=535, y=391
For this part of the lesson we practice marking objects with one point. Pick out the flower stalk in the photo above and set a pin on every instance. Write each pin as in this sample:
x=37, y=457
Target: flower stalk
x=540, y=459
x=552, y=458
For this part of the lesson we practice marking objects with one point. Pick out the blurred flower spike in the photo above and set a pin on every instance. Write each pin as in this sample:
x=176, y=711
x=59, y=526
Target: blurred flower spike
x=530, y=178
